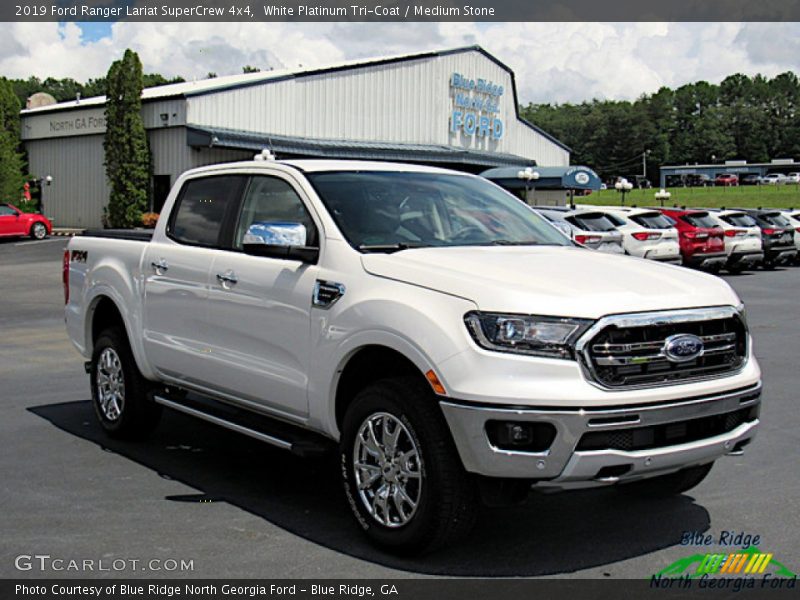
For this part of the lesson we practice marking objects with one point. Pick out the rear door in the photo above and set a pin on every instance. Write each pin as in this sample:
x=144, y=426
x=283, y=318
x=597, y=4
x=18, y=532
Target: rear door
x=260, y=307
x=176, y=274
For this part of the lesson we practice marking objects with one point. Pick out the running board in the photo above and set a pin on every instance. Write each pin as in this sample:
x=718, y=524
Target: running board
x=259, y=427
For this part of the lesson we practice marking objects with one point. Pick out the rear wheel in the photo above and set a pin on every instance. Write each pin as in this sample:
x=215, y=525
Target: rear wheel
x=667, y=485
x=120, y=394
x=38, y=231
x=402, y=475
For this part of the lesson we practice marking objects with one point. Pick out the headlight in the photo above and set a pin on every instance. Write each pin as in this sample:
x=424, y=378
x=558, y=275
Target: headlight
x=553, y=337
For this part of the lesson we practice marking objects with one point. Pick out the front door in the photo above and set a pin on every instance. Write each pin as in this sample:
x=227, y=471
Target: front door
x=176, y=273
x=10, y=221
x=259, y=308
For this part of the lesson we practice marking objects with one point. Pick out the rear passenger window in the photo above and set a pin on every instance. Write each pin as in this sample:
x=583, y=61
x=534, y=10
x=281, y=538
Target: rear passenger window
x=203, y=209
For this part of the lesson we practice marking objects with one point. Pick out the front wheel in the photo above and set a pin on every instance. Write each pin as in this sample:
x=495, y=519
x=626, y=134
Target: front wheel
x=38, y=231
x=120, y=394
x=668, y=485
x=402, y=475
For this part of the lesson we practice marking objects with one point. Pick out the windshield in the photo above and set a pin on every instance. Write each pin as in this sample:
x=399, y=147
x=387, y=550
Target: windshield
x=592, y=222
x=700, y=220
x=652, y=220
x=776, y=219
x=381, y=211
x=739, y=220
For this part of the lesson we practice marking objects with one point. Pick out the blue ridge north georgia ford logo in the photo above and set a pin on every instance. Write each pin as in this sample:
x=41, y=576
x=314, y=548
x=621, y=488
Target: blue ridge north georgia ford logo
x=683, y=347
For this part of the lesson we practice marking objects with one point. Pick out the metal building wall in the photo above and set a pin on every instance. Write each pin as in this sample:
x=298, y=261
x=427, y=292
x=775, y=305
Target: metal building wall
x=79, y=190
x=409, y=101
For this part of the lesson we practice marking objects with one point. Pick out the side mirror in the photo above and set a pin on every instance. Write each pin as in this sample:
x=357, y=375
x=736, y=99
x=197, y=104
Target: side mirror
x=275, y=239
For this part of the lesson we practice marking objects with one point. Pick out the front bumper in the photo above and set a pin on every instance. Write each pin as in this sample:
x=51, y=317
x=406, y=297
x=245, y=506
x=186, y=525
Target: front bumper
x=564, y=465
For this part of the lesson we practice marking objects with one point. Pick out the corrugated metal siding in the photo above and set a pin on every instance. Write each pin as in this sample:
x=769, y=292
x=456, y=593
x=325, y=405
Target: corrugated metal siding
x=79, y=189
x=408, y=102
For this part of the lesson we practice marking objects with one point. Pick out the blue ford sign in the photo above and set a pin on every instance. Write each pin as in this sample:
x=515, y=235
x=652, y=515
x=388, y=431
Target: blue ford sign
x=683, y=347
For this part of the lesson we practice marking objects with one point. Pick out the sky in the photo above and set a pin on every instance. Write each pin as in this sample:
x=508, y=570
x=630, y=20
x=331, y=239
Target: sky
x=553, y=62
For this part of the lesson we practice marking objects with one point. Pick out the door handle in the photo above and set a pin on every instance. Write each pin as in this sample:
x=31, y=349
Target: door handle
x=160, y=265
x=227, y=279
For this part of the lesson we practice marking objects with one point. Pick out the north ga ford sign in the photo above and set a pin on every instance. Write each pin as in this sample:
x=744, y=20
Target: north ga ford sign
x=476, y=106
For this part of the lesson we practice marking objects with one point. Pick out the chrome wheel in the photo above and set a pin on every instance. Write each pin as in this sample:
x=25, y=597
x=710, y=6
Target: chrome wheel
x=39, y=231
x=110, y=384
x=387, y=466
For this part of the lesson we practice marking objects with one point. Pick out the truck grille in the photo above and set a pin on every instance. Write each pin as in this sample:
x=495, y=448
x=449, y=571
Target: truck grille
x=632, y=352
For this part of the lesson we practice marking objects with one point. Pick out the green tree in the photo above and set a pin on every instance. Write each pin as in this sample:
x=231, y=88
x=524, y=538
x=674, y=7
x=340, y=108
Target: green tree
x=11, y=162
x=128, y=164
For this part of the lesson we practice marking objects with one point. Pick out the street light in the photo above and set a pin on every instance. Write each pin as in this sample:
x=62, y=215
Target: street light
x=528, y=174
x=46, y=181
x=662, y=196
x=623, y=186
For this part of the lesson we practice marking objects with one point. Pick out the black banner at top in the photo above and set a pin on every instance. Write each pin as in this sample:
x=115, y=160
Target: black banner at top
x=399, y=10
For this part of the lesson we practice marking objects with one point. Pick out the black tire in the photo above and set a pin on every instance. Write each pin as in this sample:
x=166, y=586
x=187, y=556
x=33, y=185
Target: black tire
x=446, y=505
x=38, y=231
x=735, y=270
x=667, y=485
x=137, y=414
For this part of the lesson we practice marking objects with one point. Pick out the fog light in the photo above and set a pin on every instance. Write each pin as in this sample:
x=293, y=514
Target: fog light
x=520, y=435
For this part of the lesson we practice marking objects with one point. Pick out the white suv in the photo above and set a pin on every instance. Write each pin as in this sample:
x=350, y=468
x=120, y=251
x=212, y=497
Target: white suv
x=743, y=243
x=590, y=228
x=646, y=232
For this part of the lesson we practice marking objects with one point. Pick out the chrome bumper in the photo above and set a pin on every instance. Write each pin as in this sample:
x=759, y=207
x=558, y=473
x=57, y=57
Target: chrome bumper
x=562, y=465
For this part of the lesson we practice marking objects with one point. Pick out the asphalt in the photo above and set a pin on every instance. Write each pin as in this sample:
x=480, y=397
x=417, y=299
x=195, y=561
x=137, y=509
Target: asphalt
x=237, y=508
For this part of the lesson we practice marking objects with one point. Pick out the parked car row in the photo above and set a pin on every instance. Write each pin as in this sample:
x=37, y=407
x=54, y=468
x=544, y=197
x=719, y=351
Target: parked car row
x=709, y=239
x=731, y=179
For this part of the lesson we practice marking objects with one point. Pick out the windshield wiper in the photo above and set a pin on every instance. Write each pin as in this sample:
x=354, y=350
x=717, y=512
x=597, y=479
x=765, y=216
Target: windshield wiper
x=511, y=243
x=390, y=248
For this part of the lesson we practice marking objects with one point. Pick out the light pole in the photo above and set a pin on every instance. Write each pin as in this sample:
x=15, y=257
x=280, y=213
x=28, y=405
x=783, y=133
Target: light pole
x=46, y=181
x=528, y=174
x=623, y=186
x=662, y=196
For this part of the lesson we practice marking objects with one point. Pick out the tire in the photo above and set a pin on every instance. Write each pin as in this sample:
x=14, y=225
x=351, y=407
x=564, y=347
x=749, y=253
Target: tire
x=444, y=495
x=735, y=270
x=120, y=394
x=667, y=485
x=38, y=231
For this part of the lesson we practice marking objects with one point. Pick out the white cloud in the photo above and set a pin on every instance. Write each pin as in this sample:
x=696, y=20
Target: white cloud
x=554, y=62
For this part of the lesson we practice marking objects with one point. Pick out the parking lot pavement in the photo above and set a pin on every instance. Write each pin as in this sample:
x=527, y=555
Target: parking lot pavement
x=236, y=508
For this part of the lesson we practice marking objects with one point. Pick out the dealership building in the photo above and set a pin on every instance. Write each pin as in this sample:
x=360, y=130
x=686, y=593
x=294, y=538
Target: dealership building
x=454, y=108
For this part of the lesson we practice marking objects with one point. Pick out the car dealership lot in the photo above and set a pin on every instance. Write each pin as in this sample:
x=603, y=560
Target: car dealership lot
x=237, y=508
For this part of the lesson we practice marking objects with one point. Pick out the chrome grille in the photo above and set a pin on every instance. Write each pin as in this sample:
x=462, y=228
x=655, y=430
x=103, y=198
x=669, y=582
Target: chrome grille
x=630, y=351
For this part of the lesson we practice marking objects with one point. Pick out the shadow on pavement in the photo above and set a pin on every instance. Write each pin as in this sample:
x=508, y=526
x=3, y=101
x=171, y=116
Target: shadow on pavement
x=548, y=535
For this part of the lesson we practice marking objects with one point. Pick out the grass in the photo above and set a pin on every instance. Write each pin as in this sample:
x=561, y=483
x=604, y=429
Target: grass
x=745, y=196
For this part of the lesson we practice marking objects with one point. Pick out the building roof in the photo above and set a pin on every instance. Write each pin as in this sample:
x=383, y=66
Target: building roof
x=212, y=137
x=228, y=82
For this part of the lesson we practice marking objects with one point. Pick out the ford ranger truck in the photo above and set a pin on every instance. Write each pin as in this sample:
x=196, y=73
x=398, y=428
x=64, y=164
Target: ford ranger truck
x=453, y=345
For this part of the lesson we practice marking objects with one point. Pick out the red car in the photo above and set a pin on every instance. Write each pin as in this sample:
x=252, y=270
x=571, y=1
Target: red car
x=726, y=179
x=15, y=223
x=702, y=241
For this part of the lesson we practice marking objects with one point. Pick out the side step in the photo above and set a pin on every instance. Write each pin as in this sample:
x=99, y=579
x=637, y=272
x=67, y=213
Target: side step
x=260, y=427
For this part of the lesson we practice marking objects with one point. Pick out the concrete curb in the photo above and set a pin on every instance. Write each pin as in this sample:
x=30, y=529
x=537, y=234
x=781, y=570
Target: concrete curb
x=63, y=232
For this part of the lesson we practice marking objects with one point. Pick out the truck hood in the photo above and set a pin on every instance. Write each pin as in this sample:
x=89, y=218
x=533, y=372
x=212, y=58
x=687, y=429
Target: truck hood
x=552, y=280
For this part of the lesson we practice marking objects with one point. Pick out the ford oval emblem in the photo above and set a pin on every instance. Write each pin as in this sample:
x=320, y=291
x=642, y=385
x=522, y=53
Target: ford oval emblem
x=683, y=347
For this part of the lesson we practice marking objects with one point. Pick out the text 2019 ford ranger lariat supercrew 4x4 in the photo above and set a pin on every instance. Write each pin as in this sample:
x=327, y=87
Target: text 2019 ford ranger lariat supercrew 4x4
x=455, y=345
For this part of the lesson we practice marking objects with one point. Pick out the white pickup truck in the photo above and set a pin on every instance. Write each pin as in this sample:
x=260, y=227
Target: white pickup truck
x=451, y=343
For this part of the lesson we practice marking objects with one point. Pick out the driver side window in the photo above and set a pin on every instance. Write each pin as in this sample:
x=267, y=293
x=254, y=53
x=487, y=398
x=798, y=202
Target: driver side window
x=272, y=200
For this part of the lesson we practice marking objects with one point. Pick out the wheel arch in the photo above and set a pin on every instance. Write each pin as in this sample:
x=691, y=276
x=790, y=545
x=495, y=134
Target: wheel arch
x=367, y=364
